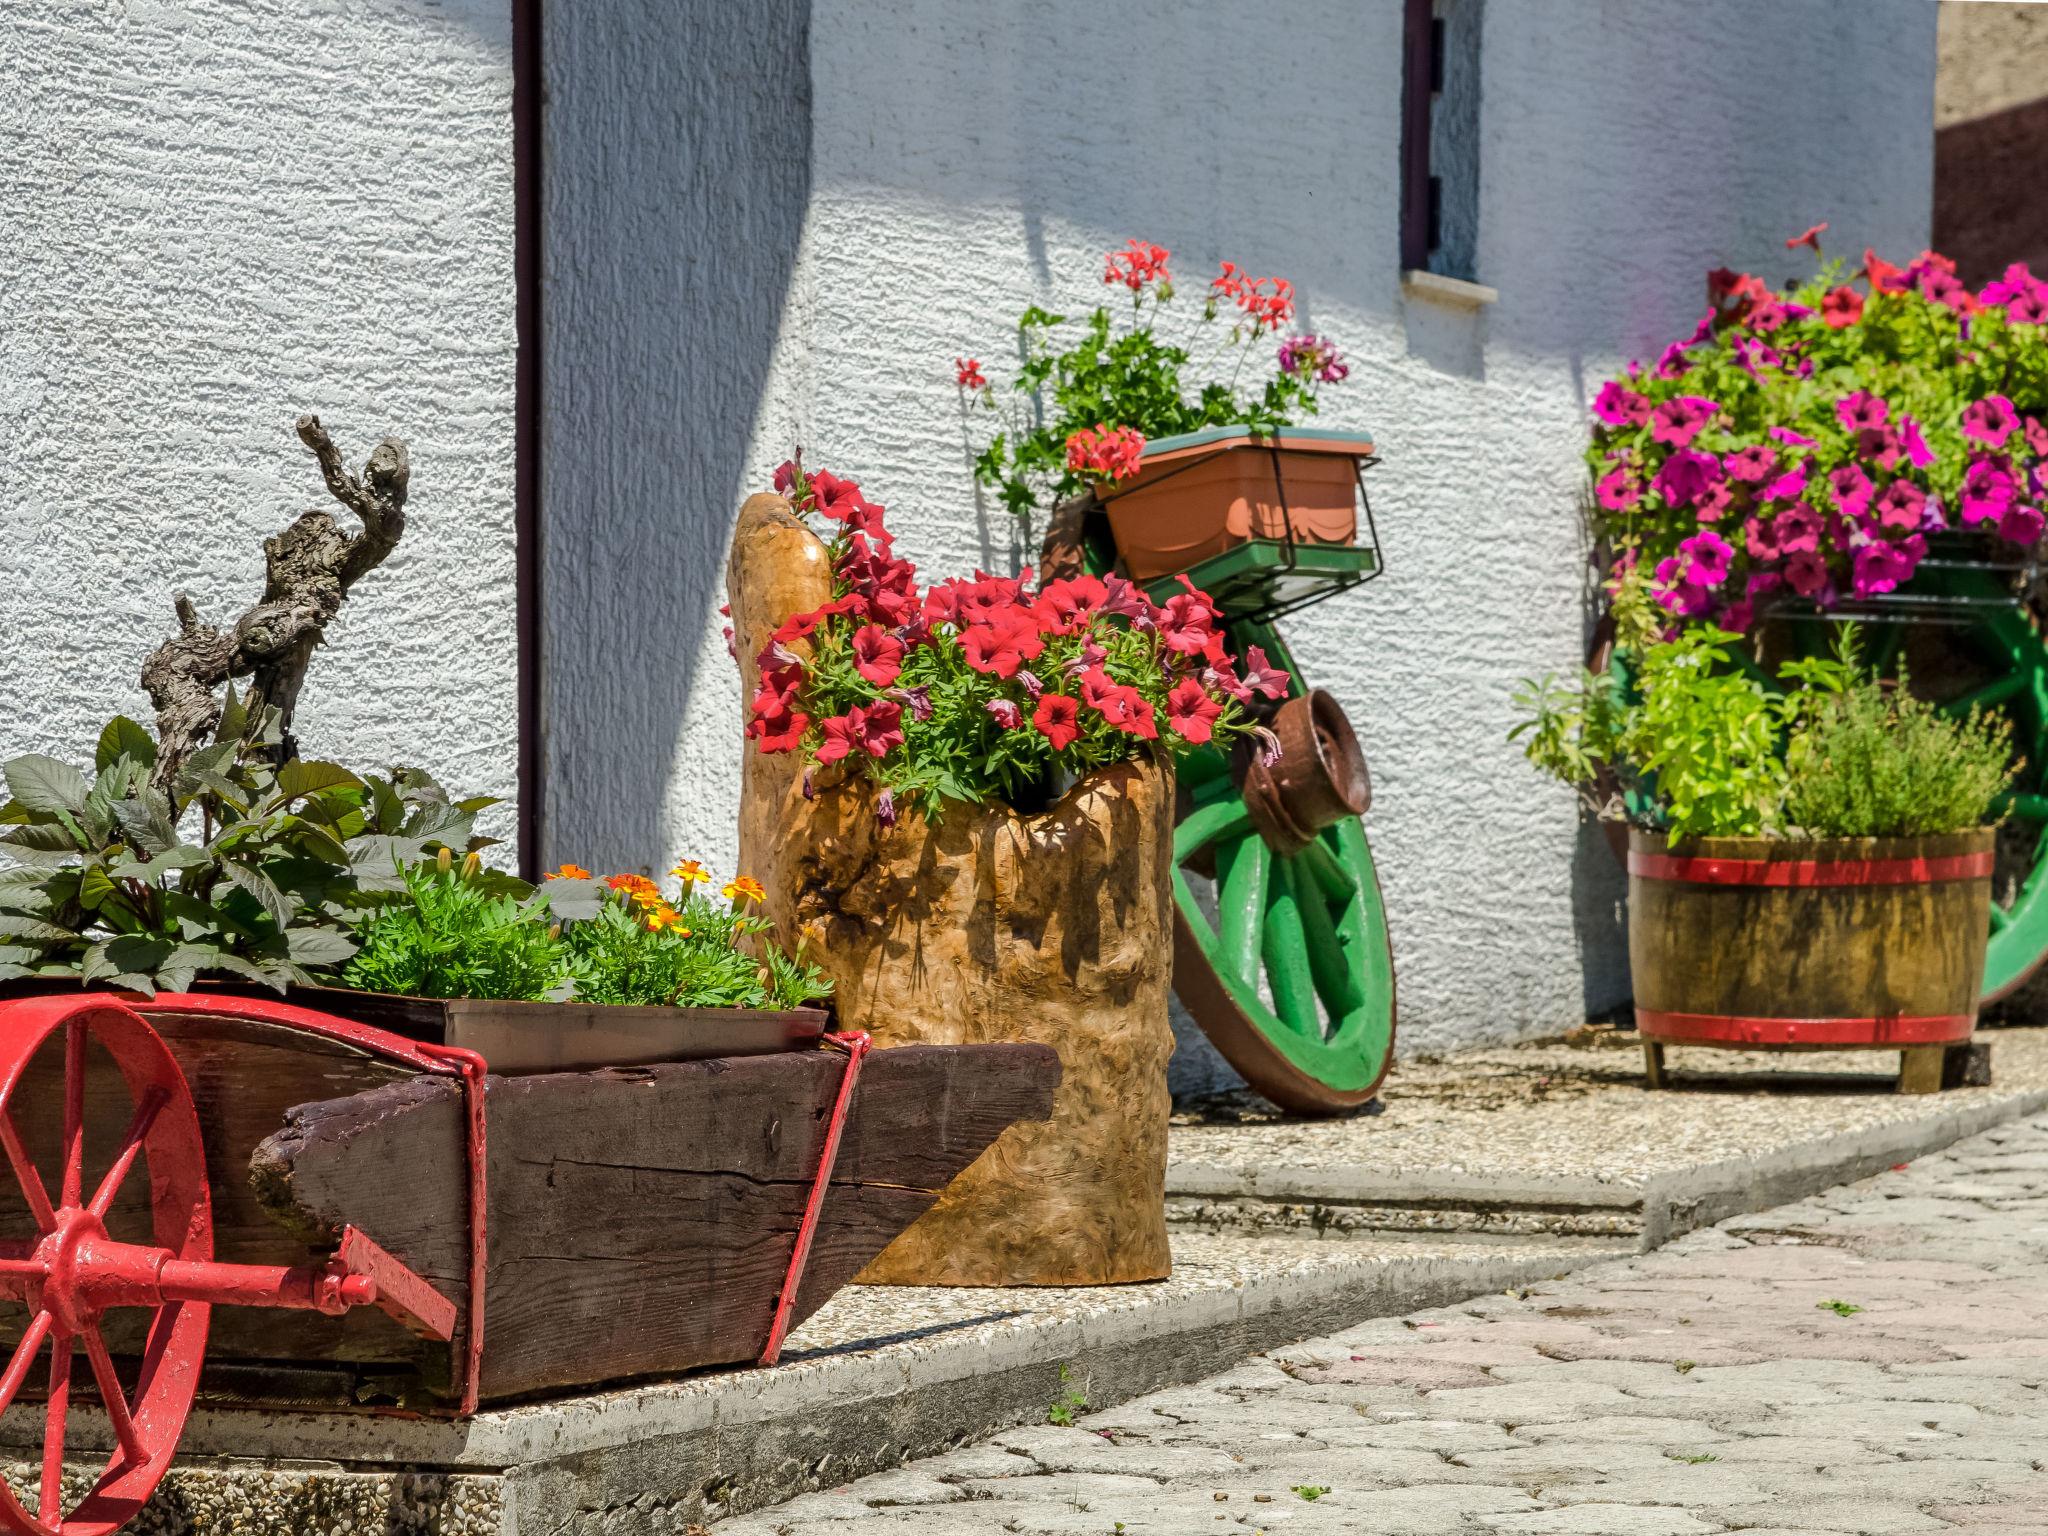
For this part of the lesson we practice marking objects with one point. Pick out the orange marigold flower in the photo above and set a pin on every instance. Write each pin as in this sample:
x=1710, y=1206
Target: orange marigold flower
x=568, y=872
x=744, y=888
x=664, y=918
x=638, y=889
x=690, y=872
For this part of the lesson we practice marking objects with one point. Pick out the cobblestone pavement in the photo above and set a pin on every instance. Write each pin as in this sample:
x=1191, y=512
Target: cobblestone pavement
x=1871, y=1360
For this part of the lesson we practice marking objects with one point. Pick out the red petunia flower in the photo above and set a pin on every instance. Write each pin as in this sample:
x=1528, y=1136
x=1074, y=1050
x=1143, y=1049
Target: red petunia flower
x=1058, y=719
x=877, y=655
x=991, y=650
x=1128, y=711
x=1261, y=676
x=878, y=727
x=1841, y=308
x=1810, y=238
x=1190, y=710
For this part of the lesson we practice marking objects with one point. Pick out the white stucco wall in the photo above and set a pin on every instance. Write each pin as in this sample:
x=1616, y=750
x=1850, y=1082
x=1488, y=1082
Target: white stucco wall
x=968, y=160
x=216, y=217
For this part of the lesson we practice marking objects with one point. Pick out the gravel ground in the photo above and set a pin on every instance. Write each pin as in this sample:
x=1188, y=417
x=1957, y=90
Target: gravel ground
x=1872, y=1360
x=1558, y=1110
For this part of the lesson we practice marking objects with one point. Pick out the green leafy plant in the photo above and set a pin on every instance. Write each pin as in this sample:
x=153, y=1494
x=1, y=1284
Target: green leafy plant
x=1698, y=745
x=463, y=930
x=1310, y=1491
x=1839, y=1308
x=242, y=867
x=1082, y=411
x=629, y=944
x=1067, y=1406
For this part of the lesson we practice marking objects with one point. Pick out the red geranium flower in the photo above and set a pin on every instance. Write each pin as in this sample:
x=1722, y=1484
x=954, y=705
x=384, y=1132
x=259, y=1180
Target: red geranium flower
x=1058, y=719
x=877, y=655
x=1137, y=264
x=1810, y=238
x=1190, y=710
x=967, y=373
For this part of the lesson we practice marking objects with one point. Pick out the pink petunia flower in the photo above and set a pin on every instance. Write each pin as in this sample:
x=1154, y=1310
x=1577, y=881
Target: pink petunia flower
x=1910, y=438
x=1787, y=487
x=1618, y=490
x=1685, y=476
x=1861, y=410
x=1990, y=420
x=1799, y=529
x=1619, y=406
x=1902, y=506
x=1707, y=556
x=2021, y=524
x=1988, y=489
x=1787, y=435
x=1750, y=464
x=1678, y=421
x=1852, y=489
x=1806, y=573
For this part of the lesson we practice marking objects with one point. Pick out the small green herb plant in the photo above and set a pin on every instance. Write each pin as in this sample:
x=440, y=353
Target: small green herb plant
x=462, y=930
x=1699, y=743
x=1067, y=1405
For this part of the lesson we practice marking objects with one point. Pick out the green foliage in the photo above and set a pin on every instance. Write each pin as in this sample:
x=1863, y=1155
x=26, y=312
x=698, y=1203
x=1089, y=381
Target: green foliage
x=1067, y=1406
x=692, y=953
x=1310, y=1491
x=1699, y=745
x=1873, y=762
x=462, y=930
x=1128, y=373
x=1839, y=1308
x=241, y=868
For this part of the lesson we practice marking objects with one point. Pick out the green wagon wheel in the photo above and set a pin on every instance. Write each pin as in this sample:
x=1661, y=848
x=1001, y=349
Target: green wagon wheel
x=1287, y=965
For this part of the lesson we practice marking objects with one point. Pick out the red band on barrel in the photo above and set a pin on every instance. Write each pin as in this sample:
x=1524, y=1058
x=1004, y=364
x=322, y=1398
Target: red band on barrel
x=1809, y=872
x=1735, y=1029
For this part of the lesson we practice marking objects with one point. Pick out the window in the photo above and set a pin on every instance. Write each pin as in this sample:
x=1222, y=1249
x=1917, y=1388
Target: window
x=1440, y=137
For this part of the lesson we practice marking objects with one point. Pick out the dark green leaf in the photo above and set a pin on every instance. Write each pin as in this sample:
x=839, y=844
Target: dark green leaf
x=124, y=738
x=148, y=825
x=249, y=878
x=318, y=946
x=14, y=925
x=297, y=778
x=136, y=954
x=234, y=719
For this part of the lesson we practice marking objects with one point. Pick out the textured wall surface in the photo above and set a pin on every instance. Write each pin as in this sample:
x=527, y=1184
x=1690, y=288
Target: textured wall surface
x=968, y=160
x=219, y=216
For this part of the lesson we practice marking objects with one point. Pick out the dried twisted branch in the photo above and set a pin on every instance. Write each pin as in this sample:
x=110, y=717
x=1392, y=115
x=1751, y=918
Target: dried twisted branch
x=309, y=568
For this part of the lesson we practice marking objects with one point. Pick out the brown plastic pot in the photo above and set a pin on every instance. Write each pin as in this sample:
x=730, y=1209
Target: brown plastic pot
x=1197, y=495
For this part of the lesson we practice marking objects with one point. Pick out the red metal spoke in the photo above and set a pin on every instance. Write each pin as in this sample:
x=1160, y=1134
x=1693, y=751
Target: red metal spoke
x=24, y=1356
x=74, y=1113
x=26, y=1176
x=112, y=1395
x=55, y=1422
x=131, y=1143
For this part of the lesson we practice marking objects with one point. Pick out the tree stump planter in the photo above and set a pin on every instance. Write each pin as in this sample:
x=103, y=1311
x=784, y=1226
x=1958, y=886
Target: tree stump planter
x=1810, y=945
x=987, y=926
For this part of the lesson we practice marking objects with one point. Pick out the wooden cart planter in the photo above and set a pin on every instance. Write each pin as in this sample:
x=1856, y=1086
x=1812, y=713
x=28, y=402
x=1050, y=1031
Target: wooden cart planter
x=325, y=1177
x=1837, y=944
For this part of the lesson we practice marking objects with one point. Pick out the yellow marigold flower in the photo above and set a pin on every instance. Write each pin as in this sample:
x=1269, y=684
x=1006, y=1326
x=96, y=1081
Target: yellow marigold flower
x=690, y=872
x=744, y=888
x=568, y=872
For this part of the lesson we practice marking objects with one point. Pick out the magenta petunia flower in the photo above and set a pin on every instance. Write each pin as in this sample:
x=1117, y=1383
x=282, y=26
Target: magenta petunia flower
x=1750, y=464
x=1787, y=487
x=1902, y=506
x=1677, y=421
x=2031, y=307
x=1874, y=569
x=2037, y=437
x=1619, y=406
x=1671, y=362
x=1760, y=538
x=2021, y=524
x=1806, y=573
x=1787, y=435
x=1763, y=582
x=1990, y=420
x=1852, y=489
x=1861, y=410
x=1618, y=490
x=1915, y=445
x=1686, y=476
x=1738, y=615
x=1880, y=445
x=2016, y=284
x=1943, y=288
x=1677, y=595
x=1798, y=529
x=1988, y=488
x=1707, y=556
x=1714, y=503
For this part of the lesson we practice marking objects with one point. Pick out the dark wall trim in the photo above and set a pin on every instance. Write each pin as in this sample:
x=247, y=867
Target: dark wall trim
x=1418, y=81
x=526, y=523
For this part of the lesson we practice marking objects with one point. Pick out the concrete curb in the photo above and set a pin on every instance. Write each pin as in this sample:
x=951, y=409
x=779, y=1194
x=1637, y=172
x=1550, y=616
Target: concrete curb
x=1346, y=1200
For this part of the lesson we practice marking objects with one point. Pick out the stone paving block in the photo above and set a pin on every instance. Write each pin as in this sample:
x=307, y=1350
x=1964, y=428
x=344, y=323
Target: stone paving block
x=1602, y=1520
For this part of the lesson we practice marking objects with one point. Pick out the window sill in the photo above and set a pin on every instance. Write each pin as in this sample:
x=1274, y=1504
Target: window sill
x=1454, y=291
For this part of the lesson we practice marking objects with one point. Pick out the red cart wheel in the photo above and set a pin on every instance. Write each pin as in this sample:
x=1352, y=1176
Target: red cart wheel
x=73, y=1272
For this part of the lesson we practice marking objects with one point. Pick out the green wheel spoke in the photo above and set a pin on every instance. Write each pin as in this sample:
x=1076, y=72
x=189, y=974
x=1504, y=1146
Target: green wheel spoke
x=1288, y=969
x=1994, y=693
x=1332, y=878
x=2027, y=807
x=1218, y=823
x=1241, y=904
x=1328, y=960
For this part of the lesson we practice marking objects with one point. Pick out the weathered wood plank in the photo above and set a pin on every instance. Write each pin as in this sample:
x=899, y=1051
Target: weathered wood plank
x=641, y=1218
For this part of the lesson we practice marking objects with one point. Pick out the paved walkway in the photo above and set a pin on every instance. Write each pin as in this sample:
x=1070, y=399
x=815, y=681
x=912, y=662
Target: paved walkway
x=1871, y=1360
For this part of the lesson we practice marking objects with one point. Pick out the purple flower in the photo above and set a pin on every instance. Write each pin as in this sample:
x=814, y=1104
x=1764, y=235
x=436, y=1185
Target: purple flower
x=1265, y=746
x=917, y=700
x=1941, y=287
x=1302, y=356
x=1990, y=420
x=1717, y=500
x=1619, y=406
x=1750, y=464
x=885, y=807
x=1761, y=582
x=1006, y=713
x=1686, y=476
x=1030, y=683
x=810, y=785
x=1902, y=506
x=1861, y=410
x=1678, y=420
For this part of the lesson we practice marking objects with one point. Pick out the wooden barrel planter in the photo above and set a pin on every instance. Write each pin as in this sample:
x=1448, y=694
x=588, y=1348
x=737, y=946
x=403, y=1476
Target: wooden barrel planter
x=1757, y=943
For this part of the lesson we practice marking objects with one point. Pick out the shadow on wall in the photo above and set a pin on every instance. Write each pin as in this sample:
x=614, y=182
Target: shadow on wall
x=676, y=155
x=1988, y=207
